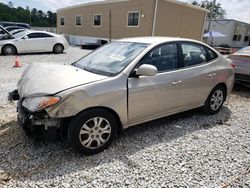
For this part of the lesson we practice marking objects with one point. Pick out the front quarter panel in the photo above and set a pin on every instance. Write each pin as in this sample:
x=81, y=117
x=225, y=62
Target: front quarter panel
x=110, y=93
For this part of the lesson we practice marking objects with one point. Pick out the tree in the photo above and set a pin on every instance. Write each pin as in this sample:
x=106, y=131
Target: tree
x=218, y=11
x=9, y=13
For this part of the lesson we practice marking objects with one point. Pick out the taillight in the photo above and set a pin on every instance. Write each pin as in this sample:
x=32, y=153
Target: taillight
x=232, y=65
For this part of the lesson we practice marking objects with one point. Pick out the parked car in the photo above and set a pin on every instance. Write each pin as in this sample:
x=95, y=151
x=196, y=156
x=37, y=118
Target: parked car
x=93, y=45
x=11, y=28
x=30, y=41
x=241, y=60
x=4, y=34
x=13, y=32
x=124, y=83
x=6, y=24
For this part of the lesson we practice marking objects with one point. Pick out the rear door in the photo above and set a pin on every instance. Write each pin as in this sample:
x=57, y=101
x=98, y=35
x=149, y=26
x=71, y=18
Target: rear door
x=198, y=73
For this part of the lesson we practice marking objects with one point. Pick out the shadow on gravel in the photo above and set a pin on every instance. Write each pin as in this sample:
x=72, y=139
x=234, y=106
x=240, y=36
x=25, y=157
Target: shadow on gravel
x=241, y=90
x=26, y=159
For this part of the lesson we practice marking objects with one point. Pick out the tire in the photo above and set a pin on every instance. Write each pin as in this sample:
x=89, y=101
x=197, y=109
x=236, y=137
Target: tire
x=215, y=100
x=58, y=49
x=9, y=50
x=92, y=131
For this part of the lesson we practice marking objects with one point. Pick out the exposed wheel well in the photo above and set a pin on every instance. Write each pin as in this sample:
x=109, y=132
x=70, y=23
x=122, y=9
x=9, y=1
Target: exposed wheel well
x=9, y=45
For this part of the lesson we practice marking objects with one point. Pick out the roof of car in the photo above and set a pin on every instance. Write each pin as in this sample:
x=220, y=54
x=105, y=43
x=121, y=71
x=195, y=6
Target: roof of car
x=153, y=40
x=243, y=51
x=34, y=31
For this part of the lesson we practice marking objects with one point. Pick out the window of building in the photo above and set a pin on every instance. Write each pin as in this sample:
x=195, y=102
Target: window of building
x=164, y=58
x=78, y=20
x=237, y=38
x=62, y=23
x=193, y=54
x=247, y=34
x=133, y=19
x=98, y=20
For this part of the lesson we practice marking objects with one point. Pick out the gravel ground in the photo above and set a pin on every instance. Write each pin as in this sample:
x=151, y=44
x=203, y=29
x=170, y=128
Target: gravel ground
x=186, y=150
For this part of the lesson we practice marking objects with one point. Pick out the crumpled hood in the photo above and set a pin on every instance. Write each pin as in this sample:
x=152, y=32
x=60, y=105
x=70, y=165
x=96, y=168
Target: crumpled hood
x=47, y=79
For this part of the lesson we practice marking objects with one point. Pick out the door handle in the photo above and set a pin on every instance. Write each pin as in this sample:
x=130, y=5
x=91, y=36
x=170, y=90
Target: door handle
x=176, y=82
x=212, y=75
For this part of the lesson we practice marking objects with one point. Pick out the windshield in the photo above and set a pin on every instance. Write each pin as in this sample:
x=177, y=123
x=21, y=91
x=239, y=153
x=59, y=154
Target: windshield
x=111, y=58
x=21, y=34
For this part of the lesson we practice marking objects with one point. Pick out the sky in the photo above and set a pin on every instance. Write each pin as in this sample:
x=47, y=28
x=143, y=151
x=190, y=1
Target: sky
x=236, y=9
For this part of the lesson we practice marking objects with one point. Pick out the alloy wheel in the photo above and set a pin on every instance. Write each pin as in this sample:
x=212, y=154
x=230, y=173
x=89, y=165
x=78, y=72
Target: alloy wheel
x=95, y=132
x=216, y=100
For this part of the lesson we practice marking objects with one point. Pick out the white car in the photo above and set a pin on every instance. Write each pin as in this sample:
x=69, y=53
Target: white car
x=30, y=41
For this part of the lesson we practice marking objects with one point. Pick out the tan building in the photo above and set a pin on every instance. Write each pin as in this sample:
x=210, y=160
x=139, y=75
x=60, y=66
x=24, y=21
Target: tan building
x=113, y=19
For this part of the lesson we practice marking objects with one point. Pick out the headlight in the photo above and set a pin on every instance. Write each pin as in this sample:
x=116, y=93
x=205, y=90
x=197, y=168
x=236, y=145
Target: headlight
x=34, y=104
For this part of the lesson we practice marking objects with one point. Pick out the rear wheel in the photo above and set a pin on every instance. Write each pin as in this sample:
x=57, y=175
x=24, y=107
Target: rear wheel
x=9, y=50
x=58, y=49
x=215, y=100
x=92, y=131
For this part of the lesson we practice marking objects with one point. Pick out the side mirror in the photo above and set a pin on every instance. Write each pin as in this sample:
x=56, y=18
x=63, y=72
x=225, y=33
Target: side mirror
x=25, y=37
x=146, y=70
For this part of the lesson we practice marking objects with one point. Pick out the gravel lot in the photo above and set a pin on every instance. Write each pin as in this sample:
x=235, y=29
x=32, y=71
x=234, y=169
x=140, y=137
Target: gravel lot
x=186, y=150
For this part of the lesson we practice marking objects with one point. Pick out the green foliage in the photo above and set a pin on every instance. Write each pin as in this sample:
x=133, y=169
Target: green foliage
x=218, y=11
x=38, y=18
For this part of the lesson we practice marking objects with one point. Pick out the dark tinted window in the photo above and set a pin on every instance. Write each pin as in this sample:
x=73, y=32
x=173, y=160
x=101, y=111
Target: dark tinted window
x=38, y=35
x=193, y=54
x=133, y=18
x=163, y=57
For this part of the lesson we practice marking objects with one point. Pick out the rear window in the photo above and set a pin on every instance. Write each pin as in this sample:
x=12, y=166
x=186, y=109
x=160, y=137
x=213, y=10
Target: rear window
x=211, y=54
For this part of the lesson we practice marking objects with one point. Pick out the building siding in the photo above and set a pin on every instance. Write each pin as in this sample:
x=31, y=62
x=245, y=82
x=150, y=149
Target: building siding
x=228, y=28
x=179, y=20
x=172, y=19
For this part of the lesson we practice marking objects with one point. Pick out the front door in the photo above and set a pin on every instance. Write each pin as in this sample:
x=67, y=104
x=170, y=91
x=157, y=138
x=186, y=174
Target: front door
x=155, y=96
x=33, y=43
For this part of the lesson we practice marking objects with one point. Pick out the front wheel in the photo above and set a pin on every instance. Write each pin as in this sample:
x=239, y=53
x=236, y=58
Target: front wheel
x=215, y=100
x=9, y=50
x=92, y=131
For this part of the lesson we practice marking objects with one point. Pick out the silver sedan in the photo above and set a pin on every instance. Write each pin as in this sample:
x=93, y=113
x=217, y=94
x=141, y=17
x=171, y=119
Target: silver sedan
x=122, y=84
x=241, y=60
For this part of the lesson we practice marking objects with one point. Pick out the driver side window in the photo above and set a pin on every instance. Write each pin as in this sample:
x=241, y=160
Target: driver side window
x=164, y=57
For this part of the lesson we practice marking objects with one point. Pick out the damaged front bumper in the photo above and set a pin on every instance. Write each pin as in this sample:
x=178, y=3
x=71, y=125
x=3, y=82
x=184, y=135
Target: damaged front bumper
x=32, y=120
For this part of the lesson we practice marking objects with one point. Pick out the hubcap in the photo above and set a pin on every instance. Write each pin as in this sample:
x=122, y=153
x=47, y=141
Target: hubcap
x=216, y=100
x=58, y=49
x=95, y=133
x=9, y=50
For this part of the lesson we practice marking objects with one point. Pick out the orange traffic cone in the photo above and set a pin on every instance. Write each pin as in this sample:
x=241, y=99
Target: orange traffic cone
x=17, y=62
